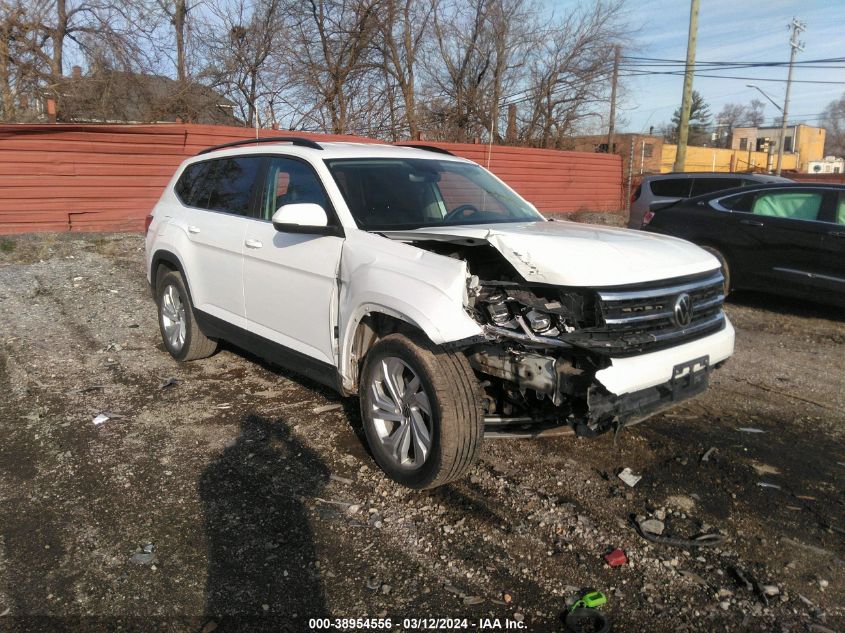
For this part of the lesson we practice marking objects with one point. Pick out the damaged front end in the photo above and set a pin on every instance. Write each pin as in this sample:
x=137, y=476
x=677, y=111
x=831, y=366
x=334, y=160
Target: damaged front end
x=544, y=347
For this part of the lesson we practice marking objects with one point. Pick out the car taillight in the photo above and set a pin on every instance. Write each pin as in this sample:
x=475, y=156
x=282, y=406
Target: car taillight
x=647, y=217
x=636, y=195
x=147, y=221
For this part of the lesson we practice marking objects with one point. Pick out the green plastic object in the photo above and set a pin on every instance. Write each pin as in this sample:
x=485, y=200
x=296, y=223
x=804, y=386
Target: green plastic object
x=590, y=600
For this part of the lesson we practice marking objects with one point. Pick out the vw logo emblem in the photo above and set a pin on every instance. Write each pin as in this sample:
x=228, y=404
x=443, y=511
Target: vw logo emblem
x=683, y=309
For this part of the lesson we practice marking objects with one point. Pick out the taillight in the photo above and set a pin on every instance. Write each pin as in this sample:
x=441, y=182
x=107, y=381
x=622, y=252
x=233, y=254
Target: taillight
x=647, y=217
x=635, y=196
x=147, y=221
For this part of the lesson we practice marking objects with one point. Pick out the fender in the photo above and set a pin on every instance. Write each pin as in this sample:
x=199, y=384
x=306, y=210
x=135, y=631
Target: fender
x=423, y=289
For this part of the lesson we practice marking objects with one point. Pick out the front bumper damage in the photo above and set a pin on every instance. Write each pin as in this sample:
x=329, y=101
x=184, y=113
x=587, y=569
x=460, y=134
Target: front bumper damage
x=586, y=394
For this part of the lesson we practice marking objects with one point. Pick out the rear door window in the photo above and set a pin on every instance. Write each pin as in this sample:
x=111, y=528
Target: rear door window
x=701, y=186
x=795, y=205
x=671, y=187
x=230, y=185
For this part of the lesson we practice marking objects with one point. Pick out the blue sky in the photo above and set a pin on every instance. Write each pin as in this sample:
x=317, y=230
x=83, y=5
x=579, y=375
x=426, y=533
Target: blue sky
x=729, y=31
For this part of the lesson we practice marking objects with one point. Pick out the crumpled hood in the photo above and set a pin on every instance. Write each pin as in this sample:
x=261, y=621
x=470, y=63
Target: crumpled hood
x=570, y=254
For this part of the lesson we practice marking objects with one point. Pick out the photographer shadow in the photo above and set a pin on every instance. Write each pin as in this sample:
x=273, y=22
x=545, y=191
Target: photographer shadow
x=261, y=555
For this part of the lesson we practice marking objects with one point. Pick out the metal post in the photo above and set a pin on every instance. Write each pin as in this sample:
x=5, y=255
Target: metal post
x=795, y=45
x=683, y=128
x=611, y=128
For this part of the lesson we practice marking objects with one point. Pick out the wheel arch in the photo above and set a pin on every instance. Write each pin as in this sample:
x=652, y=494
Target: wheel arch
x=164, y=259
x=372, y=324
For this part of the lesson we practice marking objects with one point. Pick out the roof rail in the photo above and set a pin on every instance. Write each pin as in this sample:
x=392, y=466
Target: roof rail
x=294, y=140
x=427, y=148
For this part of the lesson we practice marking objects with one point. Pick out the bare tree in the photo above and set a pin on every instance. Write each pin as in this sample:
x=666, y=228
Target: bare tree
x=833, y=120
x=461, y=66
x=240, y=37
x=403, y=26
x=754, y=113
x=569, y=72
x=178, y=12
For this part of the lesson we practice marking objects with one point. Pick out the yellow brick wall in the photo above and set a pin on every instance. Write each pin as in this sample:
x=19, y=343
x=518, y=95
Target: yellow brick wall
x=714, y=159
x=810, y=145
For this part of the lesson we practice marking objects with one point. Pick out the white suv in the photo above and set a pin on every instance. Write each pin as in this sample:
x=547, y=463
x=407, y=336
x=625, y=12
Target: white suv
x=425, y=285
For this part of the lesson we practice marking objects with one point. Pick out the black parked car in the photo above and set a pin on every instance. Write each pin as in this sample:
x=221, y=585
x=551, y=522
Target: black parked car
x=787, y=238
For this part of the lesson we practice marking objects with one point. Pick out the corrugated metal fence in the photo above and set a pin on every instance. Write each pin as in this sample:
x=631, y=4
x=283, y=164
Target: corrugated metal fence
x=108, y=177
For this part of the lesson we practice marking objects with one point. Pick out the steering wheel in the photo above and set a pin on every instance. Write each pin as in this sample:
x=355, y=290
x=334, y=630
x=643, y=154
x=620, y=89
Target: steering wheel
x=461, y=211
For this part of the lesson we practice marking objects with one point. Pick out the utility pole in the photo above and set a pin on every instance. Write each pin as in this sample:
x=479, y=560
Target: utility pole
x=683, y=129
x=611, y=128
x=797, y=26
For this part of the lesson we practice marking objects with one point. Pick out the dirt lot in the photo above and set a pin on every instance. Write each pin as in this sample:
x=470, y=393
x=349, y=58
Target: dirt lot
x=240, y=499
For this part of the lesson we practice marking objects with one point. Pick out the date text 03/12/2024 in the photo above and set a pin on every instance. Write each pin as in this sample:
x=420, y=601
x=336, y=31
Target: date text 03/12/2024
x=408, y=624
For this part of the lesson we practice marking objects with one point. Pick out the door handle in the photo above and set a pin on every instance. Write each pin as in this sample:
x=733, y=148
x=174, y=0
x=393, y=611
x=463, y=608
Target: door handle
x=193, y=229
x=253, y=244
x=751, y=222
x=837, y=233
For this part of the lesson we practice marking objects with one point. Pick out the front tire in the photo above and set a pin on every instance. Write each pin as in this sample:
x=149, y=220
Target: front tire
x=723, y=262
x=180, y=332
x=421, y=411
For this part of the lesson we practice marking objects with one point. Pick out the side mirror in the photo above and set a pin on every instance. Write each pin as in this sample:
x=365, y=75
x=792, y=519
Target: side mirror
x=305, y=217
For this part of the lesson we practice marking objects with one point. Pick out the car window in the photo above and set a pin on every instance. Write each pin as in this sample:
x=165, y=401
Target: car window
x=388, y=193
x=840, y=210
x=671, y=187
x=741, y=202
x=797, y=205
x=290, y=181
x=189, y=184
x=700, y=186
x=457, y=191
x=229, y=185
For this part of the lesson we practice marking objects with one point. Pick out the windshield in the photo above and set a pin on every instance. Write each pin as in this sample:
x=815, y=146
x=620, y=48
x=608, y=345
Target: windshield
x=389, y=193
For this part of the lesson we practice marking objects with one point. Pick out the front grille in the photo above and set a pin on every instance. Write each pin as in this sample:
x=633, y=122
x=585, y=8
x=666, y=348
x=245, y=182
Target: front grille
x=639, y=319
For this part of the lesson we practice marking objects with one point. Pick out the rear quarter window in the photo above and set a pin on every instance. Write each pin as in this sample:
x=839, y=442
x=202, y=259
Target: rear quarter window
x=701, y=186
x=671, y=187
x=189, y=183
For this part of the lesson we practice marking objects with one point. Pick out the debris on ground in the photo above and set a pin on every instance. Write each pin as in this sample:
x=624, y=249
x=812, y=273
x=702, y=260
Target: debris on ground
x=707, y=454
x=652, y=526
x=101, y=419
x=327, y=407
x=616, y=558
x=170, y=382
x=750, y=429
x=629, y=477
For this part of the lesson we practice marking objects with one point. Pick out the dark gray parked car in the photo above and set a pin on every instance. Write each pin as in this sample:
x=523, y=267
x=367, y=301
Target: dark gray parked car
x=677, y=186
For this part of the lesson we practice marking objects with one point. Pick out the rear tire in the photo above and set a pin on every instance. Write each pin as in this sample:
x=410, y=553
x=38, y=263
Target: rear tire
x=180, y=332
x=421, y=411
x=723, y=262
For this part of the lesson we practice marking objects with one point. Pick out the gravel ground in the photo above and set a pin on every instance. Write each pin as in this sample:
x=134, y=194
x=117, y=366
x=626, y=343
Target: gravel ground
x=242, y=498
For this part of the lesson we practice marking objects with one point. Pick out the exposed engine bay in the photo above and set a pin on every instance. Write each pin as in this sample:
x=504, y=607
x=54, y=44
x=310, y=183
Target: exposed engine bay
x=544, y=344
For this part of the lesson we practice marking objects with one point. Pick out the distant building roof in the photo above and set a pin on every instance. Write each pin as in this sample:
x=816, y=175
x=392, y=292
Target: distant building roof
x=113, y=96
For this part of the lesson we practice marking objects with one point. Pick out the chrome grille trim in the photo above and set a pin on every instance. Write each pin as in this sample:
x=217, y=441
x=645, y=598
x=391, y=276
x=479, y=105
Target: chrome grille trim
x=654, y=293
x=644, y=318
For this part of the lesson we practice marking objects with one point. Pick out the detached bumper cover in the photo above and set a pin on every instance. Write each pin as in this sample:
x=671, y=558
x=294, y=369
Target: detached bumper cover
x=636, y=373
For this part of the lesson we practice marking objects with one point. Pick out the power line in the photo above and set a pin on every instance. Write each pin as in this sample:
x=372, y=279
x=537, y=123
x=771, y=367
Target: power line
x=637, y=73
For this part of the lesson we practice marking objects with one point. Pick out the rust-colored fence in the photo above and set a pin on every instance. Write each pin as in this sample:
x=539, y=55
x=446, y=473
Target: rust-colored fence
x=825, y=179
x=108, y=177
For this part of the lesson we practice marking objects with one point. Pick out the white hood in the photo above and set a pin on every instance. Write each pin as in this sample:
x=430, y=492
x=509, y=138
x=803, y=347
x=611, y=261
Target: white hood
x=571, y=254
